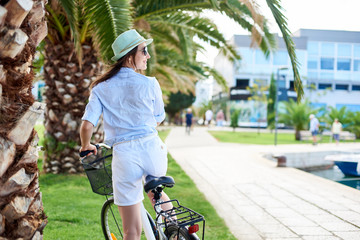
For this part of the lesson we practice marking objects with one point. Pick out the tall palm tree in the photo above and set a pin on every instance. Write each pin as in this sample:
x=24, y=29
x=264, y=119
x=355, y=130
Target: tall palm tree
x=71, y=64
x=22, y=28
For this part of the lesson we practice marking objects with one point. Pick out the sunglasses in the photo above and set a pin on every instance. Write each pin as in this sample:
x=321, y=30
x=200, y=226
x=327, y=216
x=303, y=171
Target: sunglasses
x=144, y=51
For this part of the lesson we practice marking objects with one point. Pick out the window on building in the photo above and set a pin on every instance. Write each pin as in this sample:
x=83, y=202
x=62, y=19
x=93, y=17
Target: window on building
x=323, y=86
x=342, y=75
x=260, y=58
x=242, y=83
x=349, y=107
x=356, y=87
x=327, y=63
x=326, y=75
x=301, y=56
x=313, y=48
x=313, y=75
x=261, y=82
x=356, y=65
x=357, y=51
x=341, y=87
x=280, y=58
x=343, y=64
x=311, y=86
x=312, y=62
x=327, y=49
x=282, y=83
x=291, y=86
x=344, y=50
x=246, y=55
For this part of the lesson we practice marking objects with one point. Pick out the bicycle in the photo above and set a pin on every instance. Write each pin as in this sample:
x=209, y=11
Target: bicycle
x=179, y=223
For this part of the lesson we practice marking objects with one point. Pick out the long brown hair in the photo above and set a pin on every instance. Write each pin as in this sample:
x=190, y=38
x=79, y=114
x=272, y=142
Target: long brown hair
x=115, y=68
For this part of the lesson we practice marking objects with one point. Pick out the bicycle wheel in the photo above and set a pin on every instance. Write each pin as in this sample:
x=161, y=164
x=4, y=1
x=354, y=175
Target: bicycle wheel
x=111, y=222
x=172, y=232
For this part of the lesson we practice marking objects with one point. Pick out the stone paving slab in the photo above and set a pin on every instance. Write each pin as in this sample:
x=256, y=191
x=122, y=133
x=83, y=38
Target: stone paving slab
x=256, y=199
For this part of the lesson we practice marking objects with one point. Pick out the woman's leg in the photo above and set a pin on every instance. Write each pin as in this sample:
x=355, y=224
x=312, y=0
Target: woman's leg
x=131, y=217
x=164, y=197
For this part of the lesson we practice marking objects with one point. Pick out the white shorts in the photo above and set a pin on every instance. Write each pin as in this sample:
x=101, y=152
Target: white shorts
x=133, y=160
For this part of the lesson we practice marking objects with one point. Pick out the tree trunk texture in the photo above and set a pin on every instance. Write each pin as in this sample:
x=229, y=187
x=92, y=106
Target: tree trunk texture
x=66, y=94
x=297, y=135
x=21, y=211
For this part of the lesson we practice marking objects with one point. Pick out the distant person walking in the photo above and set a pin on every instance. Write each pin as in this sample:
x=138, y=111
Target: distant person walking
x=208, y=117
x=336, y=129
x=314, y=127
x=189, y=117
x=220, y=118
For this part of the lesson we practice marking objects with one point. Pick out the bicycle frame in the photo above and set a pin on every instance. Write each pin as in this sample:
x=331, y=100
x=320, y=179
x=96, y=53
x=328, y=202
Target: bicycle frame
x=146, y=224
x=174, y=222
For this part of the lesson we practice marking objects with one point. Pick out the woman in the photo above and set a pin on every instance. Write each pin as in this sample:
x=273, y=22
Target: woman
x=132, y=107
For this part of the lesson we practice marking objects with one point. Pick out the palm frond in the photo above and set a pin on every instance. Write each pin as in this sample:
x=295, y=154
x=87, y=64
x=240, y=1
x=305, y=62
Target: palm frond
x=259, y=30
x=57, y=23
x=70, y=8
x=218, y=78
x=115, y=15
x=201, y=27
x=148, y=8
x=276, y=10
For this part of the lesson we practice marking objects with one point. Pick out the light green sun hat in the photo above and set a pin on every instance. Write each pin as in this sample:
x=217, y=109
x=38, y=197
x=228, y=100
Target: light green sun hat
x=126, y=41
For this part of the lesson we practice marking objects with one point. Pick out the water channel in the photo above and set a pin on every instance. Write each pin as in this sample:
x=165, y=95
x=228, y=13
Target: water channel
x=335, y=174
x=314, y=163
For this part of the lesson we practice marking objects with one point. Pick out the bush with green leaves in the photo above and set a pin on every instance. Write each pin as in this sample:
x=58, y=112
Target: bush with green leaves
x=296, y=115
x=234, y=119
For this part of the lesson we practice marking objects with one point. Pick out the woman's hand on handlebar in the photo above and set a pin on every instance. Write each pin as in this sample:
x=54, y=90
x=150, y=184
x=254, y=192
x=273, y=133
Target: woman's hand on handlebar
x=88, y=150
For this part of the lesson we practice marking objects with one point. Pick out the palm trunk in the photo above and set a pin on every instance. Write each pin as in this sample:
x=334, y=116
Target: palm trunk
x=297, y=135
x=66, y=93
x=22, y=27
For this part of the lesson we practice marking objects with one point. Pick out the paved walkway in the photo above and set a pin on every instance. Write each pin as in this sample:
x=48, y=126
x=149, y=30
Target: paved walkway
x=257, y=200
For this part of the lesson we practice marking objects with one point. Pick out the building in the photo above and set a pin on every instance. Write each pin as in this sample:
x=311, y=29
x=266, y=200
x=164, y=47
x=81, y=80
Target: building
x=203, y=89
x=329, y=68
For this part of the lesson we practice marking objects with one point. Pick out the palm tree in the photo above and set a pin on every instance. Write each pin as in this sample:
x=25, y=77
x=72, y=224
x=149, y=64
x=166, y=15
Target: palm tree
x=22, y=27
x=343, y=115
x=296, y=115
x=355, y=125
x=71, y=63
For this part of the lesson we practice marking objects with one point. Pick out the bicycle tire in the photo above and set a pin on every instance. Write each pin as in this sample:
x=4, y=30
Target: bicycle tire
x=172, y=232
x=111, y=221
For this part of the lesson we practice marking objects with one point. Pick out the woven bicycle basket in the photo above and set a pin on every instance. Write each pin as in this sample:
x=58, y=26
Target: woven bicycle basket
x=98, y=170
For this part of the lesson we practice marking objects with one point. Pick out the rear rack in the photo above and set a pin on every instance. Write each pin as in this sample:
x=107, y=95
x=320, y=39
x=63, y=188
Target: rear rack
x=183, y=216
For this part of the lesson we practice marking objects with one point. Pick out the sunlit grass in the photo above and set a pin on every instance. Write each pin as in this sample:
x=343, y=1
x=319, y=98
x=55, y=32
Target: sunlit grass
x=263, y=138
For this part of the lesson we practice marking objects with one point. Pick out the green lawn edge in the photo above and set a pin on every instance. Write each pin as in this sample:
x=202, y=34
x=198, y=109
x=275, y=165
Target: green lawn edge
x=264, y=138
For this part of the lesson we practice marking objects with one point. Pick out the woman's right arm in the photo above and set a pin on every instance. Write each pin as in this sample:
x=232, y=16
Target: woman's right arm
x=86, y=131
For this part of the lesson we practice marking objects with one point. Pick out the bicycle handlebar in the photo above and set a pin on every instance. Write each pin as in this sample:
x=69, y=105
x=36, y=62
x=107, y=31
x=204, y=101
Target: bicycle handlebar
x=84, y=153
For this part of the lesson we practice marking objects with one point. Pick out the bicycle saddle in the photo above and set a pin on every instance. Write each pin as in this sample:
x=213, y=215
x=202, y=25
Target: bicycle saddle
x=164, y=181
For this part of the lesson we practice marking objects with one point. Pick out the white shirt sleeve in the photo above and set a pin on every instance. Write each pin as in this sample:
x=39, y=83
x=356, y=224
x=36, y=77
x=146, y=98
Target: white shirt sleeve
x=159, y=111
x=93, y=109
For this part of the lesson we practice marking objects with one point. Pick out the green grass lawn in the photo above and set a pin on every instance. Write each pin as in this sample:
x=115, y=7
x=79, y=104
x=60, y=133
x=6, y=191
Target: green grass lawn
x=73, y=210
x=262, y=138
